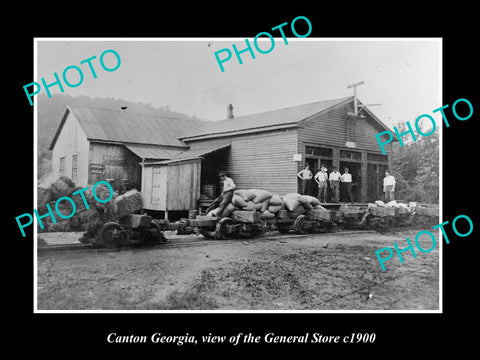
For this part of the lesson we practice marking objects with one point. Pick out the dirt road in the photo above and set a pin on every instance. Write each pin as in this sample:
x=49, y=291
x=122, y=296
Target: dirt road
x=264, y=274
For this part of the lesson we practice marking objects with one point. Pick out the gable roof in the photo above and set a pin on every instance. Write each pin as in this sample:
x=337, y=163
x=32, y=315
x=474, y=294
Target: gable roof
x=274, y=119
x=106, y=125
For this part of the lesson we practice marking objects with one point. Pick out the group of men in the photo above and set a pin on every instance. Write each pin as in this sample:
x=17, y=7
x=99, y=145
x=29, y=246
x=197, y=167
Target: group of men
x=335, y=178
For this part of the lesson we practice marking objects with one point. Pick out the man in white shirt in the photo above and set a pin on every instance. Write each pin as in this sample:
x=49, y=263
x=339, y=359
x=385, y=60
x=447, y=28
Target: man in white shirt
x=334, y=179
x=227, y=193
x=321, y=178
x=305, y=175
x=346, y=180
x=388, y=186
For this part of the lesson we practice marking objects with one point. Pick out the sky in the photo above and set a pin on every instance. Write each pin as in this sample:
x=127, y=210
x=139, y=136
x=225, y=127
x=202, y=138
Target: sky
x=402, y=75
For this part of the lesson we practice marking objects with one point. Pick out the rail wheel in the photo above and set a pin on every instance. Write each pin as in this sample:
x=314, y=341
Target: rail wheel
x=224, y=229
x=299, y=224
x=109, y=235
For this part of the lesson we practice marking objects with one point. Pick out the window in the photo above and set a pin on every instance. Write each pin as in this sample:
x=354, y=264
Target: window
x=318, y=151
x=75, y=168
x=350, y=155
x=61, y=169
x=377, y=157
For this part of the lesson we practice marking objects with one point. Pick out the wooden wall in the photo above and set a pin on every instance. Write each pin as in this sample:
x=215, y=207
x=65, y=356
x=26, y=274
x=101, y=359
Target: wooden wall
x=72, y=141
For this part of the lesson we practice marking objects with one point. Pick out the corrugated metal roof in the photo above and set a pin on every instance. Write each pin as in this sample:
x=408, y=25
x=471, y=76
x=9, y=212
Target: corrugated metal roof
x=127, y=127
x=195, y=152
x=153, y=151
x=291, y=115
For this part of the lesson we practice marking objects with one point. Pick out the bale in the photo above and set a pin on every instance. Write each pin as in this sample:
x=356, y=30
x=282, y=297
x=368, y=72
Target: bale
x=238, y=201
x=275, y=200
x=311, y=199
x=245, y=194
x=44, y=196
x=251, y=206
x=228, y=210
x=291, y=201
x=261, y=195
x=128, y=203
x=274, y=208
x=63, y=186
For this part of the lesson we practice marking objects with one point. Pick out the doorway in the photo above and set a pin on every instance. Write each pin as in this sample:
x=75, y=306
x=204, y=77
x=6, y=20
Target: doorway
x=375, y=175
x=355, y=169
x=315, y=163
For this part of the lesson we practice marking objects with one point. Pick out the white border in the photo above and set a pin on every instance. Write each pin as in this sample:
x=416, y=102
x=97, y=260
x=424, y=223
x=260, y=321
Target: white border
x=440, y=103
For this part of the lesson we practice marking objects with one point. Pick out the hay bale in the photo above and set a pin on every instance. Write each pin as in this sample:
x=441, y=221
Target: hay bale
x=128, y=203
x=238, y=201
x=63, y=186
x=245, y=194
x=275, y=200
x=261, y=195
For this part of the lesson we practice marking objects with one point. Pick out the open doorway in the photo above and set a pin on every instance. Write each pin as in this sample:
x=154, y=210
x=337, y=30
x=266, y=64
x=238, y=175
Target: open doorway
x=355, y=169
x=315, y=165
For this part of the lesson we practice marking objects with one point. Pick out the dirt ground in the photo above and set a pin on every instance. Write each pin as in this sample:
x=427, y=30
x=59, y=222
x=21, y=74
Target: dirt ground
x=276, y=273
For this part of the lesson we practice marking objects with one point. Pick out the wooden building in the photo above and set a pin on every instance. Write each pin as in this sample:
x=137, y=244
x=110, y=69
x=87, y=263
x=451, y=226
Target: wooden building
x=93, y=144
x=268, y=149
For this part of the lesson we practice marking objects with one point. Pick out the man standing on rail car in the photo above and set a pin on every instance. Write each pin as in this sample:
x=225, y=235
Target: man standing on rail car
x=227, y=193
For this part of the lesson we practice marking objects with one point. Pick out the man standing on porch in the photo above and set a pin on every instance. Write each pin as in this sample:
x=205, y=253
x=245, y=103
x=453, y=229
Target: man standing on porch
x=388, y=186
x=305, y=175
x=321, y=178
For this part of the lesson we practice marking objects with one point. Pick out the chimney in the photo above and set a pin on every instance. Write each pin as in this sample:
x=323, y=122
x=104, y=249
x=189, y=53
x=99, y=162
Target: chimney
x=229, y=111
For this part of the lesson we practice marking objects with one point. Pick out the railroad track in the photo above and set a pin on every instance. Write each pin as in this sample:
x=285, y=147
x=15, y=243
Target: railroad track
x=200, y=241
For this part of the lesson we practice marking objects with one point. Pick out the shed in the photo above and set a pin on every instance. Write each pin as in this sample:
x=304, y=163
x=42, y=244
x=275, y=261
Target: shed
x=93, y=144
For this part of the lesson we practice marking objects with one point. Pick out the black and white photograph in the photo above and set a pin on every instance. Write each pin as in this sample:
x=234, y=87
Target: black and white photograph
x=214, y=180
x=224, y=175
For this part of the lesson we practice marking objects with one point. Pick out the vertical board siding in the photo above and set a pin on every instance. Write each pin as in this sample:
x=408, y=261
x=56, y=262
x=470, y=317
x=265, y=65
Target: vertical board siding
x=72, y=141
x=119, y=163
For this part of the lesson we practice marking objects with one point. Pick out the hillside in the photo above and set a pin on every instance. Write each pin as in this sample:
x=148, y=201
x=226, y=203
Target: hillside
x=50, y=112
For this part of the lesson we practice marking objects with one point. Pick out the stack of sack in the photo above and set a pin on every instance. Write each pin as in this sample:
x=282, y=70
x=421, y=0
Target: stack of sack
x=268, y=204
x=87, y=220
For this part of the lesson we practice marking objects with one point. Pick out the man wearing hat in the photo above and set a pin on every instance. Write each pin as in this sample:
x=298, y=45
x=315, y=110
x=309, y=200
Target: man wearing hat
x=227, y=193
